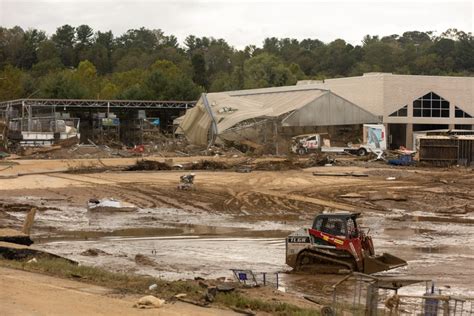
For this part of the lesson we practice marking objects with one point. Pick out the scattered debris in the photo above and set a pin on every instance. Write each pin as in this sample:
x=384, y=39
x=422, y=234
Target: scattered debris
x=277, y=165
x=246, y=277
x=29, y=221
x=12, y=251
x=244, y=169
x=186, y=182
x=403, y=160
x=351, y=196
x=180, y=295
x=327, y=311
x=144, y=260
x=148, y=165
x=93, y=252
x=225, y=287
x=32, y=261
x=340, y=174
x=312, y=299
x=207, y=165
x=210, y=295
x=109, y=205
x=390, y=178
x=153, y=287
x=149, y=301
x=13, y=236
x=380, y=196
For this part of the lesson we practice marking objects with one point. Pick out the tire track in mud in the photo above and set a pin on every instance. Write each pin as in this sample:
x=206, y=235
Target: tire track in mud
x=168, y=198
x=322, y=202
x=264, y=205
x=132, y=195
x=417, y=195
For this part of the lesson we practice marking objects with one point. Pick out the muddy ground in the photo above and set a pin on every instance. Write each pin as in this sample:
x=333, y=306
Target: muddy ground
x=239, y=220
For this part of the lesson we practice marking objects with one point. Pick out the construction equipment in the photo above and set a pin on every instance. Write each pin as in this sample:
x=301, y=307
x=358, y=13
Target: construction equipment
x=336, y=244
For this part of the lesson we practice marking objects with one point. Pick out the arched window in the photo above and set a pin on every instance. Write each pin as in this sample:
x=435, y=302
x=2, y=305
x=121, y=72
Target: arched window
x=431, y=105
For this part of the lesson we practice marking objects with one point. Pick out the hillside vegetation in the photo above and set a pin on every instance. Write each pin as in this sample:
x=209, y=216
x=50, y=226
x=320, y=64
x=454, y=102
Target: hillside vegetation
x=78, y=62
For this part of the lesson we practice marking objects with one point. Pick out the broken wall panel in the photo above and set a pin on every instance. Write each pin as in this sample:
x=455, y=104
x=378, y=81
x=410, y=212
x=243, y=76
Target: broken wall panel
x=444, y=150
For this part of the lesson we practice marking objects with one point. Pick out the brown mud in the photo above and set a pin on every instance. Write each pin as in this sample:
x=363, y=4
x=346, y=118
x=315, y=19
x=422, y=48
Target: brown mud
x=239, y=220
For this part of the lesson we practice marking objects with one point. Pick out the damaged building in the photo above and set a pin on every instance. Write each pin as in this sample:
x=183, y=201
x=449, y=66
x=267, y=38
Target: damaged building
x=405, y=104
x=409, y=104
x=271, y=116
x=44, y=122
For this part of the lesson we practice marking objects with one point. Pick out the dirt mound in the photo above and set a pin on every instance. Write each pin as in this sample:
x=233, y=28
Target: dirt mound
x=148, y=165
x=23, y=207
x=208, y=165
x=276, y=165
x=317, y=160
x=93, y=252
x=144, y=260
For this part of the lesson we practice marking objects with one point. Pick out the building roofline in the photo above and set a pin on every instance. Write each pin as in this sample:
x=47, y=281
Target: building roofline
x=389, y=74
x=293, y=88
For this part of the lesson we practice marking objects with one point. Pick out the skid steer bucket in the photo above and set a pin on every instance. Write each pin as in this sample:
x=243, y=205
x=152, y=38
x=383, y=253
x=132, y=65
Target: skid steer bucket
x=373, y=264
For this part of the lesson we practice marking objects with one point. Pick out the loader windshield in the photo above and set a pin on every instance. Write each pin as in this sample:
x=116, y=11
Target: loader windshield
x=331, y=225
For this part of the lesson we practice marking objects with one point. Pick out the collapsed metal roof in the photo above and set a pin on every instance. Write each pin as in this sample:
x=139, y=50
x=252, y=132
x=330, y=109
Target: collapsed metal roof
x=291, y=105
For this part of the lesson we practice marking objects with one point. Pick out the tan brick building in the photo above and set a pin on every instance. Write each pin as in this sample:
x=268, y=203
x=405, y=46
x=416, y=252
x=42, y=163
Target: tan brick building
x=408, y=103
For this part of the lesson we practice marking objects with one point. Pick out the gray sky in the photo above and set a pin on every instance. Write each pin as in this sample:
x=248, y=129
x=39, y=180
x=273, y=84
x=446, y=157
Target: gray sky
x=245, y=22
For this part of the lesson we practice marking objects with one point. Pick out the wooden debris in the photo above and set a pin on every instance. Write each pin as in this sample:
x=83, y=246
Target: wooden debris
x=340, y=174
x=29, y=221
x=16, y=237
x=12, y=251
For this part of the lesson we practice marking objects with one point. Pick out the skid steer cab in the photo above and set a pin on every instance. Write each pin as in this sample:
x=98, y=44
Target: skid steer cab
x=336, y=244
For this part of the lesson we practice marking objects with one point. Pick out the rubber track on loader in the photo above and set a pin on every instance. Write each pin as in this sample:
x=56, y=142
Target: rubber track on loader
x=324, y=258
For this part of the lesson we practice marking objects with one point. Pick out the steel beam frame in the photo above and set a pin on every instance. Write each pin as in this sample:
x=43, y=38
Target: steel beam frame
x=126, y=104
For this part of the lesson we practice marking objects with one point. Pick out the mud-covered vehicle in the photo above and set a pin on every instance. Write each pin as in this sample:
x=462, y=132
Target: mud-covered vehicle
x=307, y=143
x=334, y=244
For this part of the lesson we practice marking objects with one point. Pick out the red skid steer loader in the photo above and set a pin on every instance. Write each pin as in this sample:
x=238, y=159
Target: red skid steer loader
x=336, y=244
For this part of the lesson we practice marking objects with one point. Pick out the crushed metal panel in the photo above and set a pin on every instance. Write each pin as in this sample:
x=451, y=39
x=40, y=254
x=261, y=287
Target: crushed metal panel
x=195, y=124
x=284, y=102
x=231, y=108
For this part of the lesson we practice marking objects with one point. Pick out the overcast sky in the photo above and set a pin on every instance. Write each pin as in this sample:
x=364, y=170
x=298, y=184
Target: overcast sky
x=245, y=22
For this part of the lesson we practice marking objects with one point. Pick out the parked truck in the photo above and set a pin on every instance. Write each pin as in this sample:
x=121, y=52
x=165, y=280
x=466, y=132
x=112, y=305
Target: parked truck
x=374, y=140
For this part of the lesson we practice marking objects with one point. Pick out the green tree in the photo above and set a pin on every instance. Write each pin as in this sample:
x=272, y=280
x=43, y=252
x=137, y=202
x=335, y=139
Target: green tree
x=32, y=41
x=64, y=39
x=199, y=70
x=265, y=70
x=109, y=91
x=12, y=83
x=12, y=43
x=62, y=85
x=49, y=59
x=84, y=35
x=166, y=81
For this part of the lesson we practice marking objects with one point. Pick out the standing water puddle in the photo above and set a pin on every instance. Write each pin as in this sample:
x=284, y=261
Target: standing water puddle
x=178, y=257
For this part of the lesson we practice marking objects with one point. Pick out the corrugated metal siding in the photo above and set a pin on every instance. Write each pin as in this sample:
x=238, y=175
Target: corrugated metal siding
x=195, y=124
x=447, y=150
x=328, y=110
x=285, y=102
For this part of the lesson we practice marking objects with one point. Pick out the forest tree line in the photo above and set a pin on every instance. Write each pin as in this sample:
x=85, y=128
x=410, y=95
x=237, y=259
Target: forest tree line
x=143, y=64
